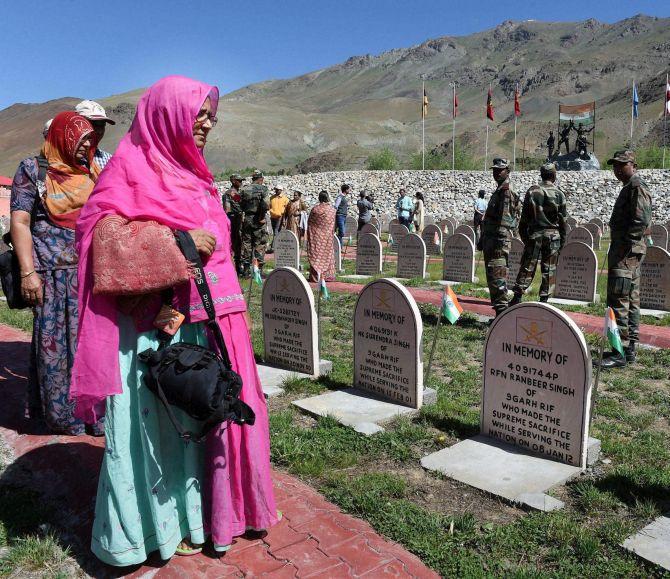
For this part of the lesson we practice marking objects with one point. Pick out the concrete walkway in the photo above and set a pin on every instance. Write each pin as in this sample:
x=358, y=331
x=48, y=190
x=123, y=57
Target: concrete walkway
x=314, y=539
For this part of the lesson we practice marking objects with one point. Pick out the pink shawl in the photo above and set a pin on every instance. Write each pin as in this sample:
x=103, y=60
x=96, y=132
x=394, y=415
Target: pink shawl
x=157, y=173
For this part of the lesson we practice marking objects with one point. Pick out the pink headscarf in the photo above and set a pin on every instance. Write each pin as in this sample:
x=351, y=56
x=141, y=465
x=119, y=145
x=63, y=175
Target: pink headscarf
x=157, y=173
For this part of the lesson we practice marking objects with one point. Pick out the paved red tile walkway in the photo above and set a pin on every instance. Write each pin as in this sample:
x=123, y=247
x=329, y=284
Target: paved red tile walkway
x=658, y=336
x=314, y=539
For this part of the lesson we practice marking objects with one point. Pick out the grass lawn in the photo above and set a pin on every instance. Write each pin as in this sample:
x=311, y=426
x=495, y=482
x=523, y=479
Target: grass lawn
x=455, y=529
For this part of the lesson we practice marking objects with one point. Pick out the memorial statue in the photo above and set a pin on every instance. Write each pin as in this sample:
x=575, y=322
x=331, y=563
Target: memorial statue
x=550, y=144
x=581, y=144
x=564, y=137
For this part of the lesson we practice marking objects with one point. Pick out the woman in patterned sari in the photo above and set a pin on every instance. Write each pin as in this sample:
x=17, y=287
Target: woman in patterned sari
x=320, y=231
x=292, y=213
x=43, y=217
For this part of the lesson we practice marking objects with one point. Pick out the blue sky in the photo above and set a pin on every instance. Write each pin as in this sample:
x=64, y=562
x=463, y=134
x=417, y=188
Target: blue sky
x=55, y=48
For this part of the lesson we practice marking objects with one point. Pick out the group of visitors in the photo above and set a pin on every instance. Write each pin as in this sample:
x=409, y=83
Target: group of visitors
x=96, y=242
x=411, y=212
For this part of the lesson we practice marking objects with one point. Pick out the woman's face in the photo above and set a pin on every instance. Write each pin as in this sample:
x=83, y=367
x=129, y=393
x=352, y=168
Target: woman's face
x=203, y=124
x=81, y=154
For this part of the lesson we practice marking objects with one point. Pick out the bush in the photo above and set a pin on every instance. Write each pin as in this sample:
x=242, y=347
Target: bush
x=436, y=161
x=383, y=160
x=645, y=157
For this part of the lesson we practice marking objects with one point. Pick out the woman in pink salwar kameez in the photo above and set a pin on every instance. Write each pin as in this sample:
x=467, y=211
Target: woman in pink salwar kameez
x=158, y=492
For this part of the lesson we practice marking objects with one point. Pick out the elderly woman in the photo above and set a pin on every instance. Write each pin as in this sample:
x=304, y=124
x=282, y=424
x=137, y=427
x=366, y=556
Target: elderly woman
x=158, y=492
x=320, y=226
x=48, y=193
x=292, y=213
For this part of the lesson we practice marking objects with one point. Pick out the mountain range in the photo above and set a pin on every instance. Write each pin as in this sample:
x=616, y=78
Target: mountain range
x=335, y=117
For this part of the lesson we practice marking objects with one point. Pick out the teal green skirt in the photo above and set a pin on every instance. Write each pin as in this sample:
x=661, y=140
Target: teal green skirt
x=149, y=492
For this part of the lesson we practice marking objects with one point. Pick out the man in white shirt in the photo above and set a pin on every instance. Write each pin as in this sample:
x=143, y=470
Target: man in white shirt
x=480, y=209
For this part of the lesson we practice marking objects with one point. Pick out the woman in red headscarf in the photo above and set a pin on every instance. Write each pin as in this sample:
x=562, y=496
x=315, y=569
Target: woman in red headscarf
x=44, y=209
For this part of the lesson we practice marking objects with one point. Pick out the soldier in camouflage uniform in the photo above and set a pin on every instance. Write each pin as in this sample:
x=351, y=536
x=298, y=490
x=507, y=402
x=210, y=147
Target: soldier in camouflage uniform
x=231, y=205
x=254, y=203
x=543, y=230
x=500, y=221
x=631, y=216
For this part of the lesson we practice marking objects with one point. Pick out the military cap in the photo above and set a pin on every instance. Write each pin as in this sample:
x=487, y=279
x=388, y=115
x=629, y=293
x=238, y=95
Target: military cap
x=500, y=163
x=256, y=174
x=622, y=157
x=236, y=177
x=548, y=167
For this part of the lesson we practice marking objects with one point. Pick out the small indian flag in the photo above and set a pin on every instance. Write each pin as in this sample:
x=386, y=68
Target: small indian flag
x=256, y=273
x=612, y=331
x=650, y=240
x=323, y=289
x=451, y=309
x=390, y=239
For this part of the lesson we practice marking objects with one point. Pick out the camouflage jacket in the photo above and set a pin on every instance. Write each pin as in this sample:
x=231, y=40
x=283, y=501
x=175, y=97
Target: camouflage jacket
x=631, y=215
x=254, y=202
x=231, y=202
x=544, y=208
x=502, y=210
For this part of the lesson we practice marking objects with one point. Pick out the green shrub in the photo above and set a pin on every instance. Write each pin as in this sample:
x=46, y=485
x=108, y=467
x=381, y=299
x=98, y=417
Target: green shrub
x=383, y=160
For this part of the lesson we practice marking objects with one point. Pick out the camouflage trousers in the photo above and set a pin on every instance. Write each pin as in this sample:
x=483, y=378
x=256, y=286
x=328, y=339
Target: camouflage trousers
x=254, y=243
x=623, y=291
x=236, y=239
x=543, y=247
x=495, y=247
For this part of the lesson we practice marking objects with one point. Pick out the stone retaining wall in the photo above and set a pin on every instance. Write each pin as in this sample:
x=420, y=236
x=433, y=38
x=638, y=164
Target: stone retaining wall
x=590, y=193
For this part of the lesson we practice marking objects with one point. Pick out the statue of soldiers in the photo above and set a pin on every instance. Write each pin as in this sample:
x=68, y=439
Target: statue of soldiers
x=254, y=203
x=500, y=221
x=550, y=144
x=564, y=137
x=631, y=216
x=543, y=231
x=581, y=144
x=231, y=205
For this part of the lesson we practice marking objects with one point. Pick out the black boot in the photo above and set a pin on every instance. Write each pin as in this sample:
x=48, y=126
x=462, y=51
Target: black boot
x=516, y=299
x=630, y=353
x=616, y=360
x=544, y=299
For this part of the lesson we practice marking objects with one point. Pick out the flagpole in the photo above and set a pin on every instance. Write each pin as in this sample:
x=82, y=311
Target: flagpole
x=594, y=390
x=432, y=347
x=486, y=150
x=665, y=116
x=516, y=92
x=423, y=125
x=453, y=129
x=632, y=114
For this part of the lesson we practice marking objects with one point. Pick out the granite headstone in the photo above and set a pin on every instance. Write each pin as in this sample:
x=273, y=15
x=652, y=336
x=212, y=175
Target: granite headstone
x=411, y=257
x=514, y=262
x=659, y=236
x=432, y=237
x=596, y=232
x=655, y=279
x=467, y=231
x=576, y=273
x=580, y=234
x=458, y=263
x=368, y=255
x=337, y=253
x=287, y=249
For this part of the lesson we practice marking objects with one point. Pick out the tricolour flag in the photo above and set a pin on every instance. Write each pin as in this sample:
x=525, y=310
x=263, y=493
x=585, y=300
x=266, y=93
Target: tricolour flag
x=424, y=105
x=489, y=105
x=451, y=309
x=666, y=111
x=612, y=331
x=517, y=105
x=256, y=273
x=323, y=289
x=636, y=101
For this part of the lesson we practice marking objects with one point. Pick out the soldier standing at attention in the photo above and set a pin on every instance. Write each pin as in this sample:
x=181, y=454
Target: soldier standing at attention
x=543, y=230
x=550, y=144
x=500, y=221
x=231, y=205
x=631, y=216
x=254, y=203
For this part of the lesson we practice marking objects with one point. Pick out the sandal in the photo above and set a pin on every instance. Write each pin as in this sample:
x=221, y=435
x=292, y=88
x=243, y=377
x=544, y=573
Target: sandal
x=186, y=549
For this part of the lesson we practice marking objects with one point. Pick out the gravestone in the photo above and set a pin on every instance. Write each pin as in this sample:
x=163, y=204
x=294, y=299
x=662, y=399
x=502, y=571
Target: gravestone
x=599, y=222
x=514, y=262
x=467, y=231
x=384, y=221
x=411, y=257
x=655, y=280
x=576, y=274
x=397, y=231
x=289, y=322
x=368, y=255
x=446, y=227
x=568, y=227
x=596, y=232
x=268, y=223
x=428, y=220
x=659, y=235
x=287, y=249
x=537, y=383
x=375, y=221
x=580, y=234
x=432, y=237
x=368, y=228
x=337, y=253
x=572, y=222
x=350, y=227
x=454, y=223
x=388, y=359
x=458, y=263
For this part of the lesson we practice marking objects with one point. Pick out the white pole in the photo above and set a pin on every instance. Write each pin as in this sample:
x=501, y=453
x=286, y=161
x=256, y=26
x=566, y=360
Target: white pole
x=453, y=130
x=514, y=162
x=486, y=150
x=423, y=126
x=665, y=114
x=632, y=111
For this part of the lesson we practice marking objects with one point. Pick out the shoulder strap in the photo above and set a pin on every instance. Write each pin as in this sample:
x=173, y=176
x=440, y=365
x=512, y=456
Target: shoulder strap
x=42, y=165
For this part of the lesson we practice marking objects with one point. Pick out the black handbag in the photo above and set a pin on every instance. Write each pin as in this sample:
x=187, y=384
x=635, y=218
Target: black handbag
x=191, y=377
x=10, y=272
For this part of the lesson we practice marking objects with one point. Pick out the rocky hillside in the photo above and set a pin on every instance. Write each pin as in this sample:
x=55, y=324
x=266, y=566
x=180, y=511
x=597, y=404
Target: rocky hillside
x=372, y=101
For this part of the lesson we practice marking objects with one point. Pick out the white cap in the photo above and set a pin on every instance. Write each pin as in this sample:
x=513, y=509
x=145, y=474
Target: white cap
x=93, y=111
x=45, y=128
x=279, y=187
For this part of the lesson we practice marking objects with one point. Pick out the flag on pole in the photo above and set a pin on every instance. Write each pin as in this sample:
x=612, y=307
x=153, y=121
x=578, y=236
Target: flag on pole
x=256, y=273
x=323, y=289
x=612, y=331
x=451, y=309
x=636, y=101
x=424, y=105
x=455, y=104
x=667, y=97
x=489, y=105
x=517, y=106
